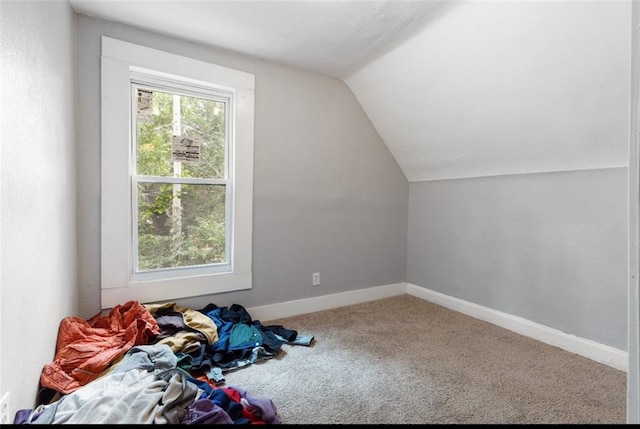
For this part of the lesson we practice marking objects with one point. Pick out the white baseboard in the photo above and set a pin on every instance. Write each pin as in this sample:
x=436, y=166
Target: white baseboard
x=607, y=355
x=325, y=302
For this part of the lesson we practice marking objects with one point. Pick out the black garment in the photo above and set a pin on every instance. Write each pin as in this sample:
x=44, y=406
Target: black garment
x=287, y=334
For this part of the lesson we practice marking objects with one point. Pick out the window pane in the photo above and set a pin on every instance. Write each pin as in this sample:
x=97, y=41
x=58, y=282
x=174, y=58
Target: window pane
x=180, y=225
x=198, y=121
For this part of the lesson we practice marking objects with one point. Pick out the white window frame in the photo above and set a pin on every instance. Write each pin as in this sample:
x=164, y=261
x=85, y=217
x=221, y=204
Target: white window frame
x=122, y=61
x=150, y=81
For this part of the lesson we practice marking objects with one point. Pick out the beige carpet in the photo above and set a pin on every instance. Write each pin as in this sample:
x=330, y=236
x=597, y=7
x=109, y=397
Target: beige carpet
x=403, y=360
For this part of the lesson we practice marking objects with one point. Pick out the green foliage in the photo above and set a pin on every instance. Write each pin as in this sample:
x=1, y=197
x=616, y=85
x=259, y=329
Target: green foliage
x=154, y=139
x=181, y=225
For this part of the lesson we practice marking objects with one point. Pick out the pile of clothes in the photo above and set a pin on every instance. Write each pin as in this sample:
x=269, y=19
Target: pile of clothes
x=157, y=364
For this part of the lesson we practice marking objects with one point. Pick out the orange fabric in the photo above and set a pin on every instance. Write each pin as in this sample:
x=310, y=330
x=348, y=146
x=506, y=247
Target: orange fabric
x=85, y=348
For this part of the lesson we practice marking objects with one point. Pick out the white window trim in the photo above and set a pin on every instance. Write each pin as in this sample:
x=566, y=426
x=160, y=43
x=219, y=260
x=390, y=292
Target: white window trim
x=118, y=285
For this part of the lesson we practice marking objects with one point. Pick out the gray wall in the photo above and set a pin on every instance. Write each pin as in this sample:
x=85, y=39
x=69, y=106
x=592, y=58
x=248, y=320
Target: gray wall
x=548, y=247
x=494, y=99
x=328, y=195
x=38, y=259
x=633, y=375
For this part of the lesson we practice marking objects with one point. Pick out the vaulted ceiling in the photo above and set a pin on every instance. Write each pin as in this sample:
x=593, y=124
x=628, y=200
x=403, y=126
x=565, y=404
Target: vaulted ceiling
x=458, y=88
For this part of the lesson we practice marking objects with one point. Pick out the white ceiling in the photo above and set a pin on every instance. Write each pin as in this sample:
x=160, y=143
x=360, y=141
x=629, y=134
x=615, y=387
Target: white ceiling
x=455, y=88
x=331, y=37
x=505, y=87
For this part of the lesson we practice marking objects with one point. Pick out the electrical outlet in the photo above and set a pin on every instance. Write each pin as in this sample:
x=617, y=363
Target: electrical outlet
x=316, y=279
x=4, y=410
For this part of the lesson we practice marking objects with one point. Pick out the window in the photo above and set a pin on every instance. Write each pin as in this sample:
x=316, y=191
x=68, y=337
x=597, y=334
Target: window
x=177, y=176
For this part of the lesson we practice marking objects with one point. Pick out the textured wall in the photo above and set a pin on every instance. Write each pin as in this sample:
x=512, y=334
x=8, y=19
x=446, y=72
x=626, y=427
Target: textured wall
x=38, y=189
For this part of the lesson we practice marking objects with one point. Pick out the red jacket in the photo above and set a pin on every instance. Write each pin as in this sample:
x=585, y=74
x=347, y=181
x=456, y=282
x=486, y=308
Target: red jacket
x=85, y=348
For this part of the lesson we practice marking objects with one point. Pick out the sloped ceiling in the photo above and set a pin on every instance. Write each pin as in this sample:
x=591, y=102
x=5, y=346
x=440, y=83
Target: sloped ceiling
x=455, y=88
x=496, y=88
x=331, y=37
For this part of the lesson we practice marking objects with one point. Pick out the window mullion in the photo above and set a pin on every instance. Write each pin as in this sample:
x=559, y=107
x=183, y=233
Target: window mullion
x=179, y=180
